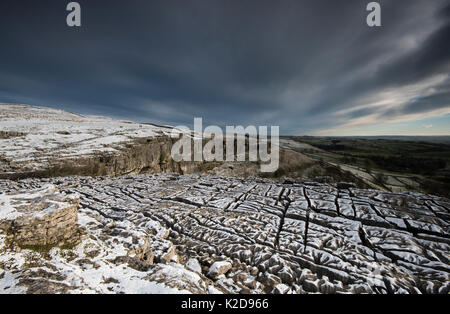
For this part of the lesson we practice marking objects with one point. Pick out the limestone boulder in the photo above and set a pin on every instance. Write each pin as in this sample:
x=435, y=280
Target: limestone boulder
x=39, y=217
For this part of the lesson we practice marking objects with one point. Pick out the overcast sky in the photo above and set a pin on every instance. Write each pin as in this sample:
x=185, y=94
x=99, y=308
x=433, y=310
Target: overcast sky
x=311, y=67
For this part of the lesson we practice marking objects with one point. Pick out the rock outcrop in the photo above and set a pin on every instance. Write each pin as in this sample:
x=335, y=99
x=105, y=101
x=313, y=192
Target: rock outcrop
x=219, y=268
x=39, y=217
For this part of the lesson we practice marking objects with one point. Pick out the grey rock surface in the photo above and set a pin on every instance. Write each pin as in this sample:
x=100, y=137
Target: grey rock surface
x=279, y=238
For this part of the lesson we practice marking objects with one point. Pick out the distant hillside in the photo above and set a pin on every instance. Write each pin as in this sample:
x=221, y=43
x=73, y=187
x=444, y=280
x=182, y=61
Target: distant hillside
x=442, y=139
x=396, y=163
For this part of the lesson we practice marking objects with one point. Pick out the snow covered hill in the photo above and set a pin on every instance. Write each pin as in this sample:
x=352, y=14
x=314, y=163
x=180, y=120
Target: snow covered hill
x=35, y=138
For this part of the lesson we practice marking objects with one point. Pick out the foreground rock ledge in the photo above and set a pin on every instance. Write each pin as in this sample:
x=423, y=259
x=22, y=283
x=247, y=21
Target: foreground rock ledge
x=41, y=217
x=168, y=233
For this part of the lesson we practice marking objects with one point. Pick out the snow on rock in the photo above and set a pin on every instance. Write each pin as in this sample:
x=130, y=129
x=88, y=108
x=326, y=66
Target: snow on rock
x=194, y=265
x=281, y=289
x=158, y=230
x=42, y=216
x=219, y=268
x=36, y=138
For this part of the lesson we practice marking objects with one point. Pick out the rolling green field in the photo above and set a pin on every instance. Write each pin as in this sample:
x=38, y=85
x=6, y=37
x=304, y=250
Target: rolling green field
x=406, y=164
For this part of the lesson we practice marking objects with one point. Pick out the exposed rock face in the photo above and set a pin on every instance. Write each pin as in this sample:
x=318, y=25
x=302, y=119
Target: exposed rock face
x=39, y=217
x=137, y=156
x=194, y=265
x=219, y=268
x=143, y=254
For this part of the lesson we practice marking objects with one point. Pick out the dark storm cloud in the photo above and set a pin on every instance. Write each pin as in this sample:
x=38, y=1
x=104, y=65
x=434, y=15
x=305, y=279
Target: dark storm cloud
x=292, y=63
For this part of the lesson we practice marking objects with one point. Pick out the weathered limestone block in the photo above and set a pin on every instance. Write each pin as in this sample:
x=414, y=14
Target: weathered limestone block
x=40, y=217
x=194, y=265
x=143, y=253
x=219, y=268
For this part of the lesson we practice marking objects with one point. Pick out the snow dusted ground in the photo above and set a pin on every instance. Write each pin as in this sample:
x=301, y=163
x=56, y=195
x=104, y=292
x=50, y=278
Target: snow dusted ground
x=10, y=211
x=212, y=234
x=33, y=136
